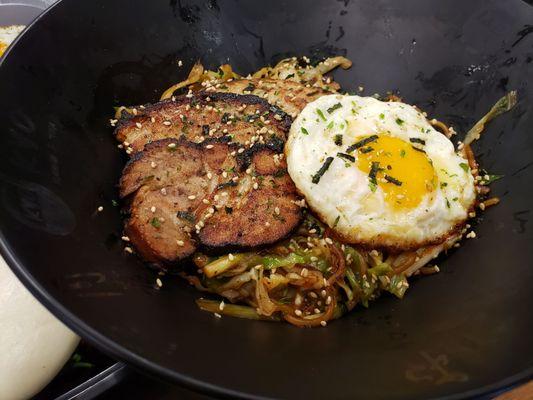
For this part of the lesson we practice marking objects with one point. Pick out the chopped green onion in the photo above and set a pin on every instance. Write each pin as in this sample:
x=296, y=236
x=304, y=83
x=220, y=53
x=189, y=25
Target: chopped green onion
x=334, y=107
x=503, y=105
x=320, y=114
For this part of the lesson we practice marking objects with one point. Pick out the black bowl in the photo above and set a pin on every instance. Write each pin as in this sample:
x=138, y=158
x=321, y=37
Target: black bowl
x=460, y=333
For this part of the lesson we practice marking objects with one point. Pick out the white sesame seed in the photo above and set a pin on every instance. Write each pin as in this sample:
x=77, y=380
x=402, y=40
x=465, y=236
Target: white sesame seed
x=471, y=235
x=171, y=145
x=317, y=311
x=304, y=272
x=323, y=293
x=138, y=125
x=276, y=210
x=224, y=174
x=267, y=223
x=374, y=253
x=100, y=209
x=313, y=295
x=167, y=123
x=191, y=197
x=240, y=151
x=323, y=323
x=328, y=300
x=311, y=231
x=152, y=209
x=328, y=240
x=298, y=300
x=205, y=201
x=125, y=238
x=152, y=120
x=249, y=171
x=231, y=257
x=153, y=164
x=298, y=312
x=128, y=249
x=180, y=63
x=180, y=242
x=217, y=315
x=158, y=282
x=256, y=186
x=221, y=305
x=209, y=175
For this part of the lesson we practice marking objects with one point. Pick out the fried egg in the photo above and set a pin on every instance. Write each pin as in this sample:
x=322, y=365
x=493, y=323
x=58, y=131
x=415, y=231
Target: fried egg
x=377, y=173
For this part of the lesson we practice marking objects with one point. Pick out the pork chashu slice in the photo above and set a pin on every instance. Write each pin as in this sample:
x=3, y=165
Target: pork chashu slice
x=185, y=195
x=288, y=95
x=234, y=118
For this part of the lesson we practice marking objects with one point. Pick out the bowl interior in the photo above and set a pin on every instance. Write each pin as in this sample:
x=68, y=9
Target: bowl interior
x=464, y=330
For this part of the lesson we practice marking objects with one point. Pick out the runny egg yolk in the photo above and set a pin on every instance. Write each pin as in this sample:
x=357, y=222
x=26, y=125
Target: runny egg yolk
x=404, y=174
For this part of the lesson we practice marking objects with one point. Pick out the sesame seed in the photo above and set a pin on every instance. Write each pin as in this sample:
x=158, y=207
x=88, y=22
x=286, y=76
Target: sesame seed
x=172, y=145
x=128, y=249
x=240, y=151
x=164, y=191
x=231, y=257
x=298, y=312
x=313, y=295
x=138, y=125
x=152, y=120
x=221, y=305
x=125, y=238
x=311, y=231
x=158, y=282
x=304, y=272
x=323, y=293
x=249, y=171
x=482, y=206
x=276, y=210
x=180, y=242
x=209, y=175
x=298, y=300
x=167, y=123
x=153, y=164
x=100, y=209
x=256, y=186
x=180, y=63
x=471, y=235
x=323, y=323
x=217, y=315
x=224, y=174
x=313, y=258
x=317, y=311
x=191, y=197
x=267, y=223
x=374, y=253
x=152, y=209
x=209, y=146
x=205, y=201
x=328, y=240
x=328, y=300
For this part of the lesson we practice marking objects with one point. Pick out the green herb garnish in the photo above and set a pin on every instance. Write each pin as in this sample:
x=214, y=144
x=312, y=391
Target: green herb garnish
x=336, y=221
x=399, y=121
x=155, y=222
x=330, y=125
x=321, y=114
x=491, y=178
x=304, y=131
x=381, y=116
x=464, y=166
x=338, y=140
x=402, y=153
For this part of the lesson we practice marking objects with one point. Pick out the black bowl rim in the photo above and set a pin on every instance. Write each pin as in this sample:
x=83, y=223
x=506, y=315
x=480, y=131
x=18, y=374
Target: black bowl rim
x=114, y=349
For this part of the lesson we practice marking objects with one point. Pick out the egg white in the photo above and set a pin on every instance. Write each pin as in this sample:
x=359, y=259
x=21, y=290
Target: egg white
x=343, y=198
